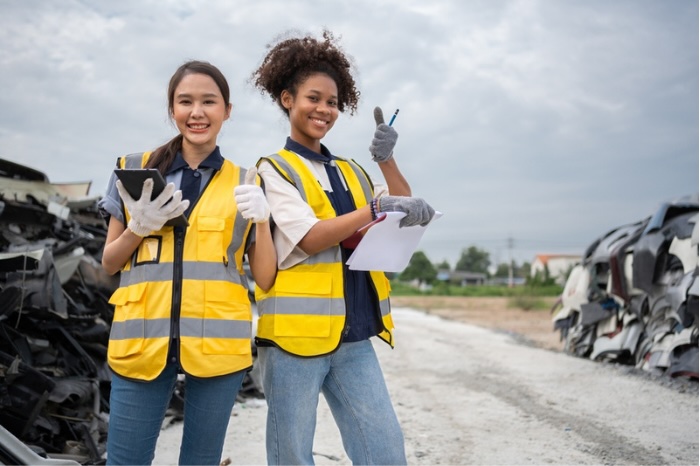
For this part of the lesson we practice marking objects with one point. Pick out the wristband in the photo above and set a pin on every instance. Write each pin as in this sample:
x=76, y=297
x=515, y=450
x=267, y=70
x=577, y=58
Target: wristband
x=373, y=208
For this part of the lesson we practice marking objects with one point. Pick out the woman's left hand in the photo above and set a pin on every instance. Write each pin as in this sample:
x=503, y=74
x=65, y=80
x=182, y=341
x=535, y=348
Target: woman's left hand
x=385, y=137
x=251, y=200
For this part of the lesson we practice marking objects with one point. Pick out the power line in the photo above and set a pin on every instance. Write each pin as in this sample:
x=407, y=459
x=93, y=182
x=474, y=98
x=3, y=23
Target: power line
x=511, y=243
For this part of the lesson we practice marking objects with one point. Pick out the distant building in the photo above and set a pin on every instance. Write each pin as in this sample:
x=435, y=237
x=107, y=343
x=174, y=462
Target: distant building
x=557, y=264
x=505, y=281
x=457, y=277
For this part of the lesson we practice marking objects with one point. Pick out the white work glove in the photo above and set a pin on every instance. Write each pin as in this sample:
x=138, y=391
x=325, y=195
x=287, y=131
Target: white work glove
x=148, y=215
x=251, y=199
x=385, y=137
x=418, y=212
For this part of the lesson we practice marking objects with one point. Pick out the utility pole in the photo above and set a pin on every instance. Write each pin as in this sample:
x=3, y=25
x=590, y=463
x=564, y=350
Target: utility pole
x=510, y=262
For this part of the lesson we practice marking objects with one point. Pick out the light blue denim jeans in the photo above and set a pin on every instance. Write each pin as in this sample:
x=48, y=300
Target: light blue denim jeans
x=352, y=383
x=137, y=410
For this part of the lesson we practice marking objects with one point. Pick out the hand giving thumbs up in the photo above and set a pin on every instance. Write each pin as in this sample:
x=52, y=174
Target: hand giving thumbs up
x=385, y=137
x=251, y=199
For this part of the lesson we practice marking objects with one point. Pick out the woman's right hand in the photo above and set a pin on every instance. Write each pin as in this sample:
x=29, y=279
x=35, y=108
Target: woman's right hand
x=149, y=215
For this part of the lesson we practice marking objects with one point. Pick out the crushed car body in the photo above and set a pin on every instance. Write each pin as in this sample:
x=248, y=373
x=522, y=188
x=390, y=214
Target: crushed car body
x=634, y=297
x=54, y=317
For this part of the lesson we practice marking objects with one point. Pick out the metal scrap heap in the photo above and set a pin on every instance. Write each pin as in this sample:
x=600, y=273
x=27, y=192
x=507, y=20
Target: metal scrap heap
x=634, y=298
x=54, y=316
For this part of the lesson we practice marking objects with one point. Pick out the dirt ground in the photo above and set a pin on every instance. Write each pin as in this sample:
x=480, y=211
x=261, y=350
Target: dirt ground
x=495, y=313
x=475, y=382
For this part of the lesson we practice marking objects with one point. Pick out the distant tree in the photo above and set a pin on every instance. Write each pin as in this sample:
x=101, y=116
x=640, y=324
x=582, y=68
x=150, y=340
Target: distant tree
x=524, y=270
x=419, y=267
x=444, y=265
x=501, y=270
x=474, y=259
x=541, y=278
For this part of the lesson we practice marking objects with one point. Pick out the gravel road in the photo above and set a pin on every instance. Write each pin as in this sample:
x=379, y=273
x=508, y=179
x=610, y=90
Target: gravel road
x=468, y=395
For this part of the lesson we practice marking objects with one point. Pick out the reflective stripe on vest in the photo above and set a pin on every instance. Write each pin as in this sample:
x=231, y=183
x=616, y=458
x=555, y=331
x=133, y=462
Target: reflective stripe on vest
x=215, y=317
x=304, y=312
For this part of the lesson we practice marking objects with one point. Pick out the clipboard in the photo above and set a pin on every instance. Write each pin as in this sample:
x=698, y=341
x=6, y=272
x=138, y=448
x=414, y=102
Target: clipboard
x=133, y=179
x=385, y=245
x=353, y=240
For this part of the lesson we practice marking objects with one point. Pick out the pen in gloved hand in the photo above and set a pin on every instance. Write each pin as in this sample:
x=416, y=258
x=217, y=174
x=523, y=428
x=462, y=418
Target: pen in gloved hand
x=382, y=147
x=393, y=117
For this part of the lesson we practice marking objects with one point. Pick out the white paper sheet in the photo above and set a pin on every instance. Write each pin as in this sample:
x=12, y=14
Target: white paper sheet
x=387, y=247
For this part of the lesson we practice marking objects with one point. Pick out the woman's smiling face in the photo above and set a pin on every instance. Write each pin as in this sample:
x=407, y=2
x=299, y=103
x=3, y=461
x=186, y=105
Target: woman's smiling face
x=199, y=110
x=313, y=110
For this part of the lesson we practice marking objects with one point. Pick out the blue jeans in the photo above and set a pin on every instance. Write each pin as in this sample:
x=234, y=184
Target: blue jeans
x=137, y=410
x=352, y=383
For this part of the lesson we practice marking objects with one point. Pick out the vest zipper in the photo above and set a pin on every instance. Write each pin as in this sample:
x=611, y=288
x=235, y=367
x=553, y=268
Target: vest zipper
x=344, y=259
x=177, y=290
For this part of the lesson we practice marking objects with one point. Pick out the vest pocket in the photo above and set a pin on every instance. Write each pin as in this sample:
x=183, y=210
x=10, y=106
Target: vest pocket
x=210, y=246
x=148, y=251
x=226, y=327
x=127, y=333
x=303, y=304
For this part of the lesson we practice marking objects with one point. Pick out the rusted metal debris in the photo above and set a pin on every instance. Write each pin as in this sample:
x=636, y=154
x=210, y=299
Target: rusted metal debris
x=634, y=297
x=55, y=318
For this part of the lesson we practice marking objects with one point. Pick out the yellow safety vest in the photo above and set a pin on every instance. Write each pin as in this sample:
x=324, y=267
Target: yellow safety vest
x=191, y=283
x=304, y=312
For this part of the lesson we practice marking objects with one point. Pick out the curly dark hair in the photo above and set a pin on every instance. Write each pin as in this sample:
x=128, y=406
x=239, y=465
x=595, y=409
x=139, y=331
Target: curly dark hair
x=292, y=59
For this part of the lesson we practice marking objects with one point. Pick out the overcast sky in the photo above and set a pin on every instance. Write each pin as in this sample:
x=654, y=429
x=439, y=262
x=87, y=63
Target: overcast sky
x=539, y=125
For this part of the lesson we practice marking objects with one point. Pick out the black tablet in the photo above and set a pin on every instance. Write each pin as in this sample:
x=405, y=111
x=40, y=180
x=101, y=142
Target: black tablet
x=133, y=179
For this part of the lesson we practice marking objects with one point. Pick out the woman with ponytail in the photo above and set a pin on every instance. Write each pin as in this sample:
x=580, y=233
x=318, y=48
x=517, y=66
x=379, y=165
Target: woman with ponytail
x=182, y=306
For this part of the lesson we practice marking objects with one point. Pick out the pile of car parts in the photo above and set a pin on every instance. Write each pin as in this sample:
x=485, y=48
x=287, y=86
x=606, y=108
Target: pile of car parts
x=55, y=321
x=634, y=297
x=54, y=316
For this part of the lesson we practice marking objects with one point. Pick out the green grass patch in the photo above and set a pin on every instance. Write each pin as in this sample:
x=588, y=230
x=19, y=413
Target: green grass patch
x=517, y=293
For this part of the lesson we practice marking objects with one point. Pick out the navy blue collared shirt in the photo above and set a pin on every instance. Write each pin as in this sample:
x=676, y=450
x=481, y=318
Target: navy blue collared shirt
x=214, y=160
x=193, y=182
x=362, y=307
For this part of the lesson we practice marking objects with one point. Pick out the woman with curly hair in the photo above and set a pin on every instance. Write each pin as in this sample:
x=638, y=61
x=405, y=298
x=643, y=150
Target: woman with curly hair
x=317, y=319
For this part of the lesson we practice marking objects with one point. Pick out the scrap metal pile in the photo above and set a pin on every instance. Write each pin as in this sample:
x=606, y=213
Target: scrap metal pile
x=55, y=318
x=634, y=297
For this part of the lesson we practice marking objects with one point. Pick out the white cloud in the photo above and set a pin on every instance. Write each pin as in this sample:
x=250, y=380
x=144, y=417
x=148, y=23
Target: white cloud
x=548, y=122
